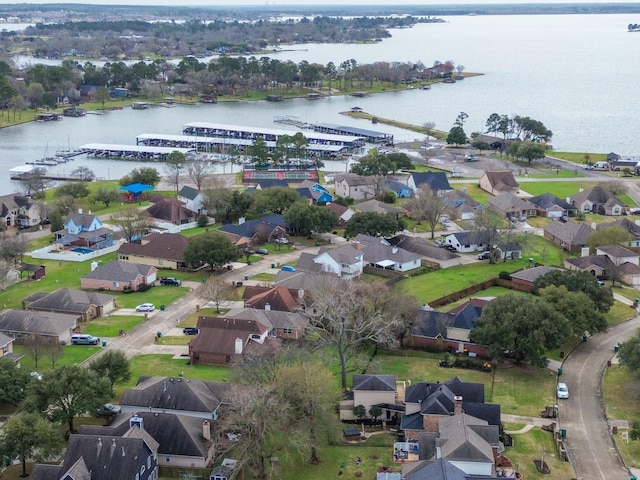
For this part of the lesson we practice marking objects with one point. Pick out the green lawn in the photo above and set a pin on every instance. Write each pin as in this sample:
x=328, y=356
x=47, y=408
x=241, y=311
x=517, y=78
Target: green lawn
x=578, y=157
x=531, y=446
x=622, y=400
x=158, y=295
x=73, y=354
x=110, y=325
x=559, y=189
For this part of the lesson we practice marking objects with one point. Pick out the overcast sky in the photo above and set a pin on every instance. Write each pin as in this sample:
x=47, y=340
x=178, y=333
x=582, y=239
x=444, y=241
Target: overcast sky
x=305, y=2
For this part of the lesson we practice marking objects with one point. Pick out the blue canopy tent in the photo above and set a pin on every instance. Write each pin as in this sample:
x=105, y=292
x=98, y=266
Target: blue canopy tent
x=135, y=189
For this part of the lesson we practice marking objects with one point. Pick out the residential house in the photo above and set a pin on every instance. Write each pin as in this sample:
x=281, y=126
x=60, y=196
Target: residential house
x=449, y=331
x=193, y=199
x=378, y=207
x=345, y=261
x=429, y=251
x=426, y=404
x=440, y=469
x=88, y=305
x=571, y=236
x=550, y=206
x=171, y=210
x=511, y=207
x=369, y=391
x=183, y=440
x=223, y=341
x=83, y=230
x=379, y=253
x=632, y=227
x=51, y=327
x=271, y=298
x=461, y=205
x=133, y=455
x=358, y=187
x=6, y=349
x=314, y=192
x=259, y=230
x=596, y=265
x=610, y=259
x=282, y=324
x=159, y=250
x=119, y=275
x=466, y=242
x=437, y=182
x=525, y=279
x=303, y=280
x=19, y=211
x=190, y=397
x=598, y=200
x=343, y=213
x=499, y=182
x=399, y=189
x=466, y=442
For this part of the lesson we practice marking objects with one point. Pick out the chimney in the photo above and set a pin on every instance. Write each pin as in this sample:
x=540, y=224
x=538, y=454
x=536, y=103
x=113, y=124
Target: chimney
x=267, y=306
x=584, y=252
x=79, y=210
x=94, y=265
x=394, y=250
x=136, y=421
x=241, y=220
x=457, y=406
x=238, y=346
x=206, y=430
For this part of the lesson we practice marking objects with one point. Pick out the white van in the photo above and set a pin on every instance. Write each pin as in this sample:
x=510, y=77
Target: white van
x=604, y=165
x=84, y=339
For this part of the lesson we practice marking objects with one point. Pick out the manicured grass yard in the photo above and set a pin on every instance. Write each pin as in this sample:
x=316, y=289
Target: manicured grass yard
x=531, y=446
x=110, y=326
x=158, y=295
x=73, y=354
x=559, y=189
x=622, y=400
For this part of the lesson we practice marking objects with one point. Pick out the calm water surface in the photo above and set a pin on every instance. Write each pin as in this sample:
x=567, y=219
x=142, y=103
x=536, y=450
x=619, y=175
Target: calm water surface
x=578, y=74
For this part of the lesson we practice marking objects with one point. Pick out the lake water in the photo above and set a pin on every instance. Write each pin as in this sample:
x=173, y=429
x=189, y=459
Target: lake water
x=578, y=74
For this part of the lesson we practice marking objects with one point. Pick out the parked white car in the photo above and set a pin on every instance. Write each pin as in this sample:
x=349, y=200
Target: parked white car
x=562, y=391
x=146, y=307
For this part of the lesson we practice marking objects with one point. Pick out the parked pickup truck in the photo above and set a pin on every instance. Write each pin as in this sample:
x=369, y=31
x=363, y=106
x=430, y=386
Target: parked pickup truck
x=170, y=281
x=109, y=410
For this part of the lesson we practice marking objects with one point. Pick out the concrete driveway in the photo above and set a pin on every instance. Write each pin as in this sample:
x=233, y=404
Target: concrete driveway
x=591, y=448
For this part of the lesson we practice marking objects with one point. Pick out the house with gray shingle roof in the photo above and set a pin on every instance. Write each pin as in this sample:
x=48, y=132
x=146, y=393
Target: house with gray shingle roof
x=437, y=182
x=194, y=398
x=511, y=207
x=550, y=206
x=84, y=230
x=6, y=349
x=626, y=224
x=598, y=200
x=379, y=253
x=51, y=326
x=19, y=210
x=524, y=279
x=429, y=251
x=288, y=325
x=118, y=274
x=571, y=236
x=346, y=261
x=182, y=440
x=610, y=261
x=377, y=206
x=88, y=305
x=193, y=199
x=159, y=250
x=440, y=469
x=461, y=205
x=369, y=390
x=449, y=331
x=354, y=186
x=133, y=455
x=499, y=182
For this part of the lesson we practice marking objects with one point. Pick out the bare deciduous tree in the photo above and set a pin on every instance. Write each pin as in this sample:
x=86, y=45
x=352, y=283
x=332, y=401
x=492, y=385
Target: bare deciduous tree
x=426, y=205
x=217, y=291
x=198, y=171
x=132, y=222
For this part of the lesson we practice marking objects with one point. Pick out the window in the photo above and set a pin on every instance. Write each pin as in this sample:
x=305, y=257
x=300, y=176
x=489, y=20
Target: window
x=287, y=331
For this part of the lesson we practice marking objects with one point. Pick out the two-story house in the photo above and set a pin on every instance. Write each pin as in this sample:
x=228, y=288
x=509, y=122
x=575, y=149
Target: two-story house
x=19, y=211
x=193, y=199
x=83, y=230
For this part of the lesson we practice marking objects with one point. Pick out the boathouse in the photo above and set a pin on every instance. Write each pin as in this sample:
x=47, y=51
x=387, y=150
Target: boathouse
x=370, y=136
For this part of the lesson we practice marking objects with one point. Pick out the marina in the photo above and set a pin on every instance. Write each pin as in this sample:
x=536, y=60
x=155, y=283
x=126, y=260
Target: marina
x=131, y=152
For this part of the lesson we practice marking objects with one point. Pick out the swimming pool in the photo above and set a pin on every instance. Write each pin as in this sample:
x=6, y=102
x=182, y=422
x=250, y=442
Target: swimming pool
x=82, y=250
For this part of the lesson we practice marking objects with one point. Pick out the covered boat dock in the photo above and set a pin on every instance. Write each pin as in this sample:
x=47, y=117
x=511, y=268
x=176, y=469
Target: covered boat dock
x=371, y=136
x=219, y=130
x=224, y=144
x=131, y=152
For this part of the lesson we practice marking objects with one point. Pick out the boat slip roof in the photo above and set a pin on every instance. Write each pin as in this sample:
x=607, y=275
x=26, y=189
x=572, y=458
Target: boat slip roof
x=273, y=131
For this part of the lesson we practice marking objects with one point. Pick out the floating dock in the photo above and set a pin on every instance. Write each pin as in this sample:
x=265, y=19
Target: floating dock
x=131, y=152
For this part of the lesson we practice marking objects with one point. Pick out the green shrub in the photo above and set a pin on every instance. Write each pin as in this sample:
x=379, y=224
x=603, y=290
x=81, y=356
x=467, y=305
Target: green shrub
x=127, y=289
x=203, y=221
x=504, y=275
